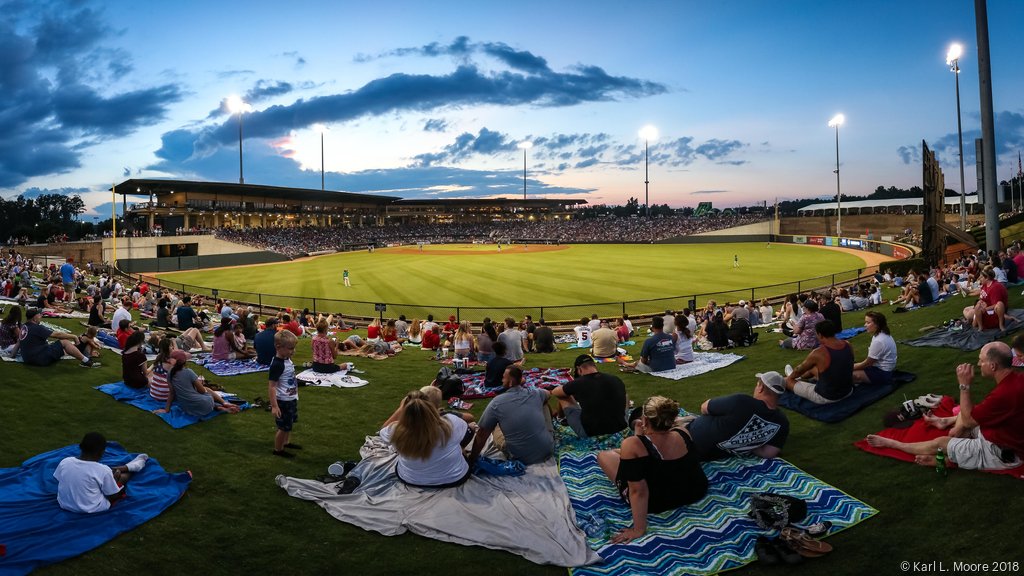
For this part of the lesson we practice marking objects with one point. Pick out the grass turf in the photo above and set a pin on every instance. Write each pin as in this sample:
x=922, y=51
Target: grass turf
x=234, y=519
x=518, y=281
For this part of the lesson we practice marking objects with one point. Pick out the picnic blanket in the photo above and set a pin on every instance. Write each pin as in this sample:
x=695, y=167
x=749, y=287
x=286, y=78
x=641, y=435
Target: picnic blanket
x=56, y=328
x=710, y=536
x=526, y=515
x=140, y=398
x=968, y=338
x=229, y=367
x=36, y=532
x=339, y=379
x=72, y=314
x=19, y=359
x=702, y=362
x=546, y=378
x=850, y=332
x=920, y=431
x=863, y=395
x=374, y=356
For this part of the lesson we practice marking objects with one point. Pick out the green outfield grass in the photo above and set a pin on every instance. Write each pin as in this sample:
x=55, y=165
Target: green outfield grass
x=235, y=520
x=516, y=278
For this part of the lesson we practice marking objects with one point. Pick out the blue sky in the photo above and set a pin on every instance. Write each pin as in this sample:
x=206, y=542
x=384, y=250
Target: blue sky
x=430, y=99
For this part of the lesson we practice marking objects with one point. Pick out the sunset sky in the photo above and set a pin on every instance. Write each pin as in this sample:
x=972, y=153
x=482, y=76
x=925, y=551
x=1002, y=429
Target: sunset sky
x=429, y=100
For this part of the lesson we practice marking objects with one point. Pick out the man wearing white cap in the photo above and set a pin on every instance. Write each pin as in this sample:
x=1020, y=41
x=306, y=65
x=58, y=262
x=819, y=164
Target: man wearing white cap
x=740, y=425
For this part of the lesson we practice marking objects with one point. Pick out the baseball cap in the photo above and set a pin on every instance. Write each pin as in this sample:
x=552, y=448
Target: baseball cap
x=743, y=302
x=271, y=321
x=581, y=360
x=179, y=356
x=31, y=313
x=773, y=381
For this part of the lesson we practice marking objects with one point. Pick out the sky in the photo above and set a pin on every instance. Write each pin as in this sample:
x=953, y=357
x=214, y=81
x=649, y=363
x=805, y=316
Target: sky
x=430, y=100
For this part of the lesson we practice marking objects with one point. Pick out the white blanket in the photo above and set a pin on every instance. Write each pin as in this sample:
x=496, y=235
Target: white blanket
x=528, y=515
x=339, y=379
x=702, y=362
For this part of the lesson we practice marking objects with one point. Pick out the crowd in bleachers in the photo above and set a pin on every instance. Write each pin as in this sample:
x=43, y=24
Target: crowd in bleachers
x=308, y=239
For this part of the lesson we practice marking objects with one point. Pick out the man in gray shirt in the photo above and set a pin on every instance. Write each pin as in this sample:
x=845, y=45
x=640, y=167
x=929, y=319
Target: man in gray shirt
x=514, y=340
x=524, y=419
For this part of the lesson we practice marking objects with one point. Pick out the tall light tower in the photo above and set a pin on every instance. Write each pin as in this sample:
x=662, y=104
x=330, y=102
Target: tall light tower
x=238, y=106
x=524, y=146
x=837, y=121
x=953, y=61
x=648, y=133
x=321, y=129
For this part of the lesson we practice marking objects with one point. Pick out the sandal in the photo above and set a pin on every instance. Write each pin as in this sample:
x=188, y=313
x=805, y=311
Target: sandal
x=804, y=544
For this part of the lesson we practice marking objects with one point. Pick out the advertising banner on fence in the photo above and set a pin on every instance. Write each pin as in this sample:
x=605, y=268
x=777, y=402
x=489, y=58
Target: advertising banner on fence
x=817, y=240
x=799, y=239
x=900, y=253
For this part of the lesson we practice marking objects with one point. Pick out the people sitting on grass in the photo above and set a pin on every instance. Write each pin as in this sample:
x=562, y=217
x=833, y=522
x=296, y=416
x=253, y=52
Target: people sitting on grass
x=878, y=367
x=519, y=420
x=185, y=314
x=543, y=338
x=415, y=332
x=605, y=341
x=291, y=325
x=529, y=328
x=96, y=314
x=462, y=342
x=324, y=350
x=402, y=328
x=224, y=342
x=373, y=330
x=621, y=330
x=986, y=436
x=429, y=445
x=655, y=470
x=10, y=330
x=741, y=424
x=86, y=486
x=431, y=339
x=124, y=330
x=658, y=352
x=123, y=312
x=583, y=332
x=830, y=311
x=240, y=345
x=389, y=333
x=448, y=332
x=593, y=403
x=283, y=393
x=249, y=323
x=264, y=342
x=993, y=300
x=683, y=339
x=717, y=331
x=134, y=371
x=159, y=386
x=830, y=365
x=435, y=395
x=804, y=336
x=514, y=339
x=192, y=340
x=189, y=390
x=36, y=351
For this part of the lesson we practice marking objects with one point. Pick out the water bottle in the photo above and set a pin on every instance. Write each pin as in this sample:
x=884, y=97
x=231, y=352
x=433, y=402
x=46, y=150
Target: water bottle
x=940, y=462
x=592, y=525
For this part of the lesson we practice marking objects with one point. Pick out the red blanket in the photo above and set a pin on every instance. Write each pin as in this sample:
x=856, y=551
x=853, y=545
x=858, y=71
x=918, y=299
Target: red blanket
x=920, y=431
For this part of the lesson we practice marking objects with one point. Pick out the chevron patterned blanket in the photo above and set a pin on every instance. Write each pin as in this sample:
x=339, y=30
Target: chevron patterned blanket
x=708, y=537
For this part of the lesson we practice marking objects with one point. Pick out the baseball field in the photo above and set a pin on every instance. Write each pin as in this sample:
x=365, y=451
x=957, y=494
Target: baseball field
x=522, y=276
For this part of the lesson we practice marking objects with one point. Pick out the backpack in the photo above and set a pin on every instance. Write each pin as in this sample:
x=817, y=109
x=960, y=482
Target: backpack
x=450, y=384
x=773, y=511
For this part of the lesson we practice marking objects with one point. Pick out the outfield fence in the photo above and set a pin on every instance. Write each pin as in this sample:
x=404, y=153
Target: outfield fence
x=364, y=310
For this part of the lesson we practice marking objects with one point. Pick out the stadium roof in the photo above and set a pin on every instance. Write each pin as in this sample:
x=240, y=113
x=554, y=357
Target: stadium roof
x=862, y=205
x=158, y=187
x=494, y=201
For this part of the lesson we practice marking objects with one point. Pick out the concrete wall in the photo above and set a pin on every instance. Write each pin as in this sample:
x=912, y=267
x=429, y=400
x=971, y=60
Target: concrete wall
x=143, y=248
x=82, y=252
x=756, y=228
x=856, y=224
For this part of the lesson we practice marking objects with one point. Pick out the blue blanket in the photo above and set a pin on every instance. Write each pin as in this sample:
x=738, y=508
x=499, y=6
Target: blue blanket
x=863, y=395
x=176, y=418
x=229, y=367
x=108, y=339
x=707, y=537
x=36, y=532
x=850, y=332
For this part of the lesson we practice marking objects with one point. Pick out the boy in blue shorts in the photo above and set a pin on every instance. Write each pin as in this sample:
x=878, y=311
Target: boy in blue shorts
x=283, y=392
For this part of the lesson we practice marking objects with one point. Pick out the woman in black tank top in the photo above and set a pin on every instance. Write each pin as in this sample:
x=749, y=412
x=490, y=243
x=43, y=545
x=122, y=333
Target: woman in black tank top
x=655, y=470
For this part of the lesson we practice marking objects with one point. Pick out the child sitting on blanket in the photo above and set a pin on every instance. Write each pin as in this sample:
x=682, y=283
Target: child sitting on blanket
x=324, y=350
x=436, y=397
x=86, y=486
x=283, y=392
x=124, y=330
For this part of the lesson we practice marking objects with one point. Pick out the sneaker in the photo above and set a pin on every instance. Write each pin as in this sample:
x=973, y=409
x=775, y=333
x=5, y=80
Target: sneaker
x=89, y=363
x=137, y=463
x=818, y=529
x=341, y=468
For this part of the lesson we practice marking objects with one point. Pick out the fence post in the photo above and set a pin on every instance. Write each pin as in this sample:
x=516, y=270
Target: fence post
x=259, y=296
x=314, y=306
x=458, y=314
x=798, y=289
x=751, y=294
x=833, y=280
x=541, y=313
x=623, y=308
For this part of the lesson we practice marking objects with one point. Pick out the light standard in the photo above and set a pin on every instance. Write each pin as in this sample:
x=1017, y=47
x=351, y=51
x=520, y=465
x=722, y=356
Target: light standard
x=238, y=106
x=953, y=61
x=321, y=129
x=648, y=133
x=524, y=146
x=837, y=121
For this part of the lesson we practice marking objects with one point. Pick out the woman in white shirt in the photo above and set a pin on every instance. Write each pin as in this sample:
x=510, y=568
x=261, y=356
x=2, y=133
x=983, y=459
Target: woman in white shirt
x=684, y=341
x=766, y=311
x=878, y=367
x=429, y=445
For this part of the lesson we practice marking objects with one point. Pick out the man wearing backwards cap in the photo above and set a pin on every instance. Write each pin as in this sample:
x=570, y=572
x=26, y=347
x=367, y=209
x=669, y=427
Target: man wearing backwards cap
x=740, y=424
x=36, y=351
x=594, y=403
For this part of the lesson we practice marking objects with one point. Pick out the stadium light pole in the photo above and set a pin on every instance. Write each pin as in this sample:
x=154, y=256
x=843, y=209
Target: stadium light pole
x=648, y=133
x=321, y=129
x=238, y=106
x=837, y=121
x=953, y=61
x=524, y=146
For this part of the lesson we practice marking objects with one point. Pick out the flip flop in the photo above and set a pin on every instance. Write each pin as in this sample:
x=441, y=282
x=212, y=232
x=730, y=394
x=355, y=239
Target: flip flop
x=804, y=544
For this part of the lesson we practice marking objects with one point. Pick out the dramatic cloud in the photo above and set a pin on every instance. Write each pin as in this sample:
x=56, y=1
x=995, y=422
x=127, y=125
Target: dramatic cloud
x=265, y=89
x=527, y=80
x=909, y=154
x=55, y=99
x=435, y=125
x=36, y=192
x=486, y=142
x=1009, y=139
x=709, y=192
